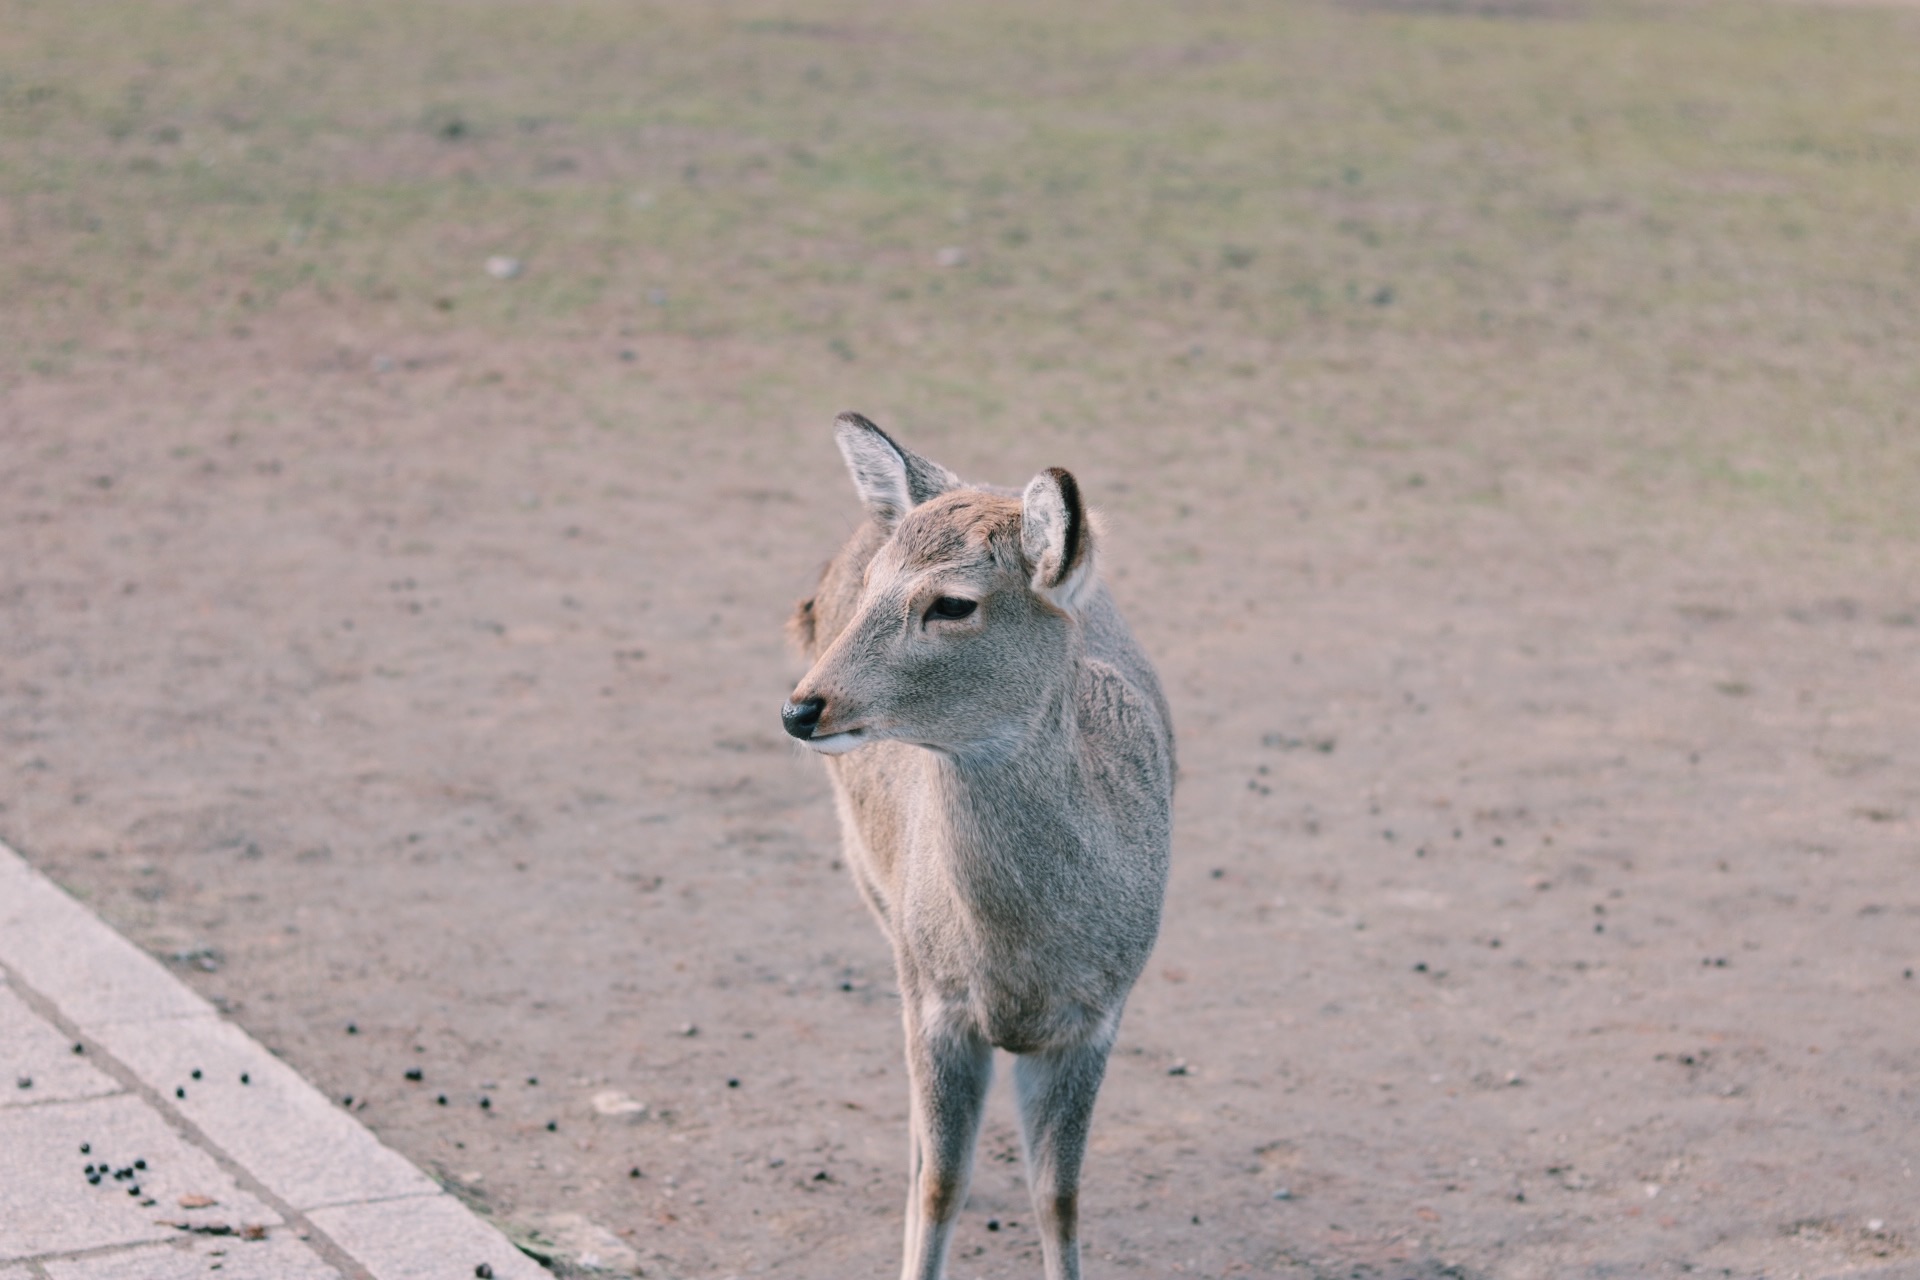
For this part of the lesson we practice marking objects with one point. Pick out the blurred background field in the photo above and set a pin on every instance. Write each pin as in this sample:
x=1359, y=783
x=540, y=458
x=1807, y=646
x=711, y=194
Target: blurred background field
x=1670, y=251
x=414, y=430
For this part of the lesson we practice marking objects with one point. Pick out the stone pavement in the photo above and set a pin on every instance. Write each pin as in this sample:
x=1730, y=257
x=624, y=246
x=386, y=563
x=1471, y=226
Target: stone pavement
x=144, y=1138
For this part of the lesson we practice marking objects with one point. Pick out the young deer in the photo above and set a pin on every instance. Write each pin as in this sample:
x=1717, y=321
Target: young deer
x=1002, y=760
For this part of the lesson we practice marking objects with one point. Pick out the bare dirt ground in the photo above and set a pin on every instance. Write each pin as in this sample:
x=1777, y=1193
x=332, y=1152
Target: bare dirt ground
x=403, y=664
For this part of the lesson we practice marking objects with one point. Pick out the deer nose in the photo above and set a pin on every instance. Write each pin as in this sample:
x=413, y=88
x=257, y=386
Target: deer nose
x=802, y=718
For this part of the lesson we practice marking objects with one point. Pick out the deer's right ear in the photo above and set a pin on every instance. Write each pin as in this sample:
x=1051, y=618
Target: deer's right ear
x=891, y=480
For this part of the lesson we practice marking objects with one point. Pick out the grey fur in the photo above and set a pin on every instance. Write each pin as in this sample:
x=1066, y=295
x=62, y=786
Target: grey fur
x=1004, y=783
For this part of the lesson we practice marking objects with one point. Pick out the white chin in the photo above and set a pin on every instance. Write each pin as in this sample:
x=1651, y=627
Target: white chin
x=837, y=744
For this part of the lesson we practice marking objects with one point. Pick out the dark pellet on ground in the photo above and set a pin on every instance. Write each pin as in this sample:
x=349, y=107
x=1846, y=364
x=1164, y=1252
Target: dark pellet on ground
x=140, y=1164
x=86, y=1148
x=486, y=1104
x=353, y=1028
x=483, y=1271
x=634, y=1172
x=180, y=1093
x=732, y=1082
x=93, y=1179
x=346, y=1099
x=79, y=1048
x=846, y=986
x=134, y=1190
x=244, y=1079
x=993, y=1224
x=440, y=1098
x=414, y=1073
x=533, y=1080
x=24, y=1082
x=1907, y=974
x=1420, y=967
x=196, y=1073
x=553, y=1126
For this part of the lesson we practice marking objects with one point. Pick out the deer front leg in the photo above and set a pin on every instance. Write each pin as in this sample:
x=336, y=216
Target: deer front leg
x=1056, y=1090
x=949, y=1067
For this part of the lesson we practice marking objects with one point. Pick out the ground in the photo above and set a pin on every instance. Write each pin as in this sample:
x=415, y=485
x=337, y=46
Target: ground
x=1503, y=417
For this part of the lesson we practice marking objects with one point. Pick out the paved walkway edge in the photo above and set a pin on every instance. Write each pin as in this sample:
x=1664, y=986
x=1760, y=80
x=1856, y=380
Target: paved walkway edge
x=349, y=1195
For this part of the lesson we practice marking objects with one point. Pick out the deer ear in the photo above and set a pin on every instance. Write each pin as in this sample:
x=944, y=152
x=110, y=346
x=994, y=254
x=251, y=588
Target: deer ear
x=1057, y=538
x=891, y=480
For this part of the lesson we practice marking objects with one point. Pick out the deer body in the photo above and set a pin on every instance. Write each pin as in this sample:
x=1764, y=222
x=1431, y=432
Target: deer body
x=1002, y=761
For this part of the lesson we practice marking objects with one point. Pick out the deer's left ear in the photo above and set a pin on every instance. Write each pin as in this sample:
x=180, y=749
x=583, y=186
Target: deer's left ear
x=1057, y=538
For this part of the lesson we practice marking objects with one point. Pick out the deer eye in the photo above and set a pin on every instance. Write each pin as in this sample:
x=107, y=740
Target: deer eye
x=952, y=607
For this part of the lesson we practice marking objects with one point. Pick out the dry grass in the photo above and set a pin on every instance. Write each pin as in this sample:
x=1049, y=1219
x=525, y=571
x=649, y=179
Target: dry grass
x=1602, y=252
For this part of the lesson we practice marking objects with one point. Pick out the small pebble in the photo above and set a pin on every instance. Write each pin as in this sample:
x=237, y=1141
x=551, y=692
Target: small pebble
x=486, y=1104
x=346, y=1100
x=553, y=1126
x=245, y=1079
x=140, y=1163
x=533, y=1080
x=634, y=1172
x=1179, y=1068
x=689, y=1029
x=951, y=256
x=1284, y=1193
x=733, y=1082
x=134, y=1190
x=79, y=1048
x=86, y=1148
x=180, y=1092
x=501, y=267
x=414, y=1073
x=24, y=1082
x=483, y=1271
x=993, y=1224
x=196, y=1073
x=353, y=1028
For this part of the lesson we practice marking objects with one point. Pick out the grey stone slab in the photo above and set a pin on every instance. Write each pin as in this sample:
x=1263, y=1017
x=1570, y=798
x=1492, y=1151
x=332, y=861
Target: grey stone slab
x=62, y=950
x=279, y=1257
x=47, y=1206
x=33, y=1051
x=278, y=1127
x=423, y=1238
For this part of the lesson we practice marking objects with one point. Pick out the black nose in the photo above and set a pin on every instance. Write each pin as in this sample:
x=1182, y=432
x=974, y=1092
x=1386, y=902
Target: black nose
x=802, y=718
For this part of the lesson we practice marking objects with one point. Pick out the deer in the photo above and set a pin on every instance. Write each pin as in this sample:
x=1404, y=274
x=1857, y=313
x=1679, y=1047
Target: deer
x=1002, y=763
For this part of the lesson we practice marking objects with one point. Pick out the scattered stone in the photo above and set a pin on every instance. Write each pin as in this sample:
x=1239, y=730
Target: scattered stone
x=578, y=1245
x=612, y=1102
x=197, y=1201
x=689, y=1029
x=1284, y=1193
x=993, y=1224
x=483, y=1272
x=24, y=1082
x=733, y=1082
x=553, y=1126
x=196, y=1073
x=181, y=1092
x=79, y=1048
x=415, y=1074
x=502, y=267
x=951, y=256
x=486, y=1104
x=353, y=1028
x=440, y=1099
x=86, y=1148
x=1179, y=1067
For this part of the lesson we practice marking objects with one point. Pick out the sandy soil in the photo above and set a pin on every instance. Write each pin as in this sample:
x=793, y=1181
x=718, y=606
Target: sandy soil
x=1544, y=901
